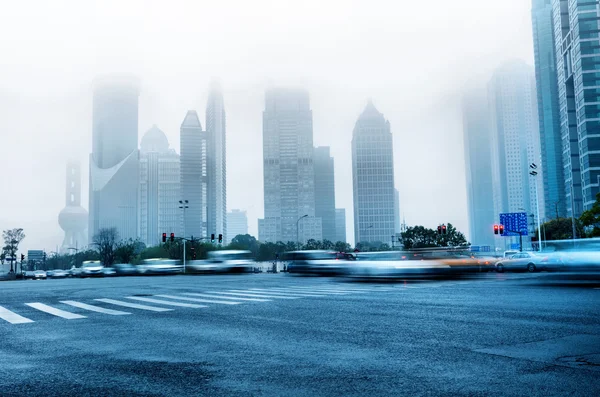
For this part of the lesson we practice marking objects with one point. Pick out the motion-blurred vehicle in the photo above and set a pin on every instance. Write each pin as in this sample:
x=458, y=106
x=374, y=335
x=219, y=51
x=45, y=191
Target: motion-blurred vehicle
x=109, y=272
x=397, y=269
x=92, y=269
x=29, y=274
x=75, y=272
x=160, y=266
x=231, y=261
x=49, y=273
x=580, y=261
x=58, y=273
x=522, y=261
x=125, y=269
x=39, y=275
x=317, y=262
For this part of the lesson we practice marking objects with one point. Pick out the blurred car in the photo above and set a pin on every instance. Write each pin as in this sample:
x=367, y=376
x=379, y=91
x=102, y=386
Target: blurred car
x=580, y=261
x=39, y=275
x=58, y=273
x=29, y=274
x=231, y=261
x=49, y=273
x=523, y=261
x=317, y=262
x=396, y=270
x=75, y=272
x=125, y=269
x=109, y=272
x=92, y=269
x=160, y=266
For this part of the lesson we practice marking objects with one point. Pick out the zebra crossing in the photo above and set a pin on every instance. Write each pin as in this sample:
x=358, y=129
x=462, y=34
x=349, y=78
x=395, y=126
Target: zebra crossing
x=165, y=302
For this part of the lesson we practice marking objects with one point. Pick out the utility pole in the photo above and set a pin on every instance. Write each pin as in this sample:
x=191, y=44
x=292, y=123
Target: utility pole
x=183, y=204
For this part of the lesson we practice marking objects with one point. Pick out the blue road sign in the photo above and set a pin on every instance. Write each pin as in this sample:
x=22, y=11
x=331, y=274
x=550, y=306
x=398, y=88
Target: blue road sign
x=475, y=248
x=514, y=222
x=515, y=246
x=485, y=248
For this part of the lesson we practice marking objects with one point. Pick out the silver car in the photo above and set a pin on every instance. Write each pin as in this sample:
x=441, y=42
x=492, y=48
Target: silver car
x=523, y=261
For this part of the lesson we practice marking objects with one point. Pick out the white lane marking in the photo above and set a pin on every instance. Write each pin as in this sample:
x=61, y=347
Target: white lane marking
x=322, y=291
x=226, y=297
x=198, y=300
x=168, y=303
x=54, y=311
x=286, y=293
x=93, y=308
x=253, y=295
x=13, y=317
x=134, y=305
x=337, y=289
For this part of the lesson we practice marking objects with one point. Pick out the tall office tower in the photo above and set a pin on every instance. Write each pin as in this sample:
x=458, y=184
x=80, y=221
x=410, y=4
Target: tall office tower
x=577, y=41
x=515, y=139
x=114, y=161
x=73, y=219
x=478, y=169
x=159, y=188
x=193, y=171
x=397, y=221
x=325, y=191
x=289, y=184
x=340, y=225
x=217, y=164
x=548, y=109
x=237, y=223
x=373, y=177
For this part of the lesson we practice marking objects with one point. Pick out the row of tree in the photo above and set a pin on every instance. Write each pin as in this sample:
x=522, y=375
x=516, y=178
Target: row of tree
x=587, y=225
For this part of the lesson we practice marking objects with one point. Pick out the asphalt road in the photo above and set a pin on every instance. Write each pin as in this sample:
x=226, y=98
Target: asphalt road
x=501, y=334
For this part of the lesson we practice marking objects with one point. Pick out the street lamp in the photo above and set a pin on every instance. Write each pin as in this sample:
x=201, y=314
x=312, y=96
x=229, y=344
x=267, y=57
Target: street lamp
x=297, y=233
x=534, y=173
x=183, y=204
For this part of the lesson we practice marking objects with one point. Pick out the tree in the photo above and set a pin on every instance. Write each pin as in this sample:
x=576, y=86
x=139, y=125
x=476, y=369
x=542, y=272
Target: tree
x=245, y=242
x=312, y=244
x=419, y=237
x=340, y=246
x=12, y=239
x=105, y=242
x=561, y=229
x=125, y=250
x=590, y=219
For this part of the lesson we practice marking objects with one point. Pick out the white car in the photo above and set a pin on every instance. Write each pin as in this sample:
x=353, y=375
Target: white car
x=39, y=275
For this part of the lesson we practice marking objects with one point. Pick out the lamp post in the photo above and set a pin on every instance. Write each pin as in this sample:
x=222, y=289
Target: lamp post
x=183, y=204
x=534, y=174
x=297, y=233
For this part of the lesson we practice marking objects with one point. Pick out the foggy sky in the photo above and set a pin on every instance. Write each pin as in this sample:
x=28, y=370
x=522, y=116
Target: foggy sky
x=412, y=58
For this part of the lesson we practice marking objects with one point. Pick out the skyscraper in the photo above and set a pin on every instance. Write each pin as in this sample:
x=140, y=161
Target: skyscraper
x=478, y=168
x=217, y=164
x=397, y=221
x=325, y=191
x=515, y=139
x=114, y=160
x=73, y=219
x=237, y=223
x=159, y=188
x=289, y=185
x=577, y=41
x=373, y=177
x=340, y=225
x=548, y=109
x=193, y=175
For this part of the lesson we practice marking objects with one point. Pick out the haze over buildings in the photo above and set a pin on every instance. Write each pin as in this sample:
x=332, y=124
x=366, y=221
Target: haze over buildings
x=325, y=191
x=237, y=223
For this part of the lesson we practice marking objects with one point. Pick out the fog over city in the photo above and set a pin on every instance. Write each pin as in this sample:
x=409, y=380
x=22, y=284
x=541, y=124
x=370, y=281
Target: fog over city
x=414, y=60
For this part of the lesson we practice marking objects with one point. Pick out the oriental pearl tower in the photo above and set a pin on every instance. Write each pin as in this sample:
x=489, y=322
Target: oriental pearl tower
x=73, y=219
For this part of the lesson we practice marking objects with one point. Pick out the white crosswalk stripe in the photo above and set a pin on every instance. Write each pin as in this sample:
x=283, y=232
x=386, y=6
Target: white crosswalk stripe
x=13, y=317
x=227, y=297
x=54, y=311
x=93, y=308
x=338, y=289
x=163, y=302
x=133, y=305
x=184, y=298
x=255, y=295
x=288, y=293
x=329, y=291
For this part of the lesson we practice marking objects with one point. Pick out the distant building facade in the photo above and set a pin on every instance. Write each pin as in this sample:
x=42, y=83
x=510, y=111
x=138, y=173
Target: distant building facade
x=515, y=139
x=325, y=191
x=159, y=188
x=114, y=160
x=478, y=169
x=73, y=219
x=193, y=176
x=554, y=199
x=397, y=220
x=289, y=190
x=373, y=178
x=237, y=223
x=216, y=164
x=340, y=225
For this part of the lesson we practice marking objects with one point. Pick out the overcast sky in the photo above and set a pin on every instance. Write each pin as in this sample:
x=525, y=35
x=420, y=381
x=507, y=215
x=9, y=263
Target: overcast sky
x=412, y=58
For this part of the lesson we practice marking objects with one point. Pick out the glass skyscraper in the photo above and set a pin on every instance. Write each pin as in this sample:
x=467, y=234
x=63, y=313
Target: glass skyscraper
x=548, y=110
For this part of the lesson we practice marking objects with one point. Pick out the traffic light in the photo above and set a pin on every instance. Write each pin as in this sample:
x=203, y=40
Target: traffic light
x=496, y=228
x=193, y=252
x=443, y=229
x=501, y=227
x=172, y=237
x=439, y=229
x=164, y=237
x=212, y=238
x=220, y=238
x=22, y=257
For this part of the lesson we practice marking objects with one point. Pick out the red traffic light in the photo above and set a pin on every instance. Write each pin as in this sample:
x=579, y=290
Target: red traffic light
x=501, y=229
x=440, y=229
x=443, y=229
x=164, y=237
x=496, y=228
x=172, y=236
